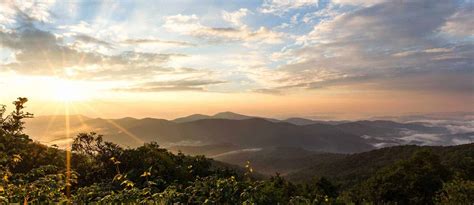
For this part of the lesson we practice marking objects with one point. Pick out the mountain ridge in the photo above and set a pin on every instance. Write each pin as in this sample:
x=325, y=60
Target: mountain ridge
x=249, y=132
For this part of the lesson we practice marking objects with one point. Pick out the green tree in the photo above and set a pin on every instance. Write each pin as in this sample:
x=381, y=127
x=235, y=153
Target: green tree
x=412, y=181
x=13, y=123
x=30, y=172
x=91, y=157
x=320, y=190
x=458, y=191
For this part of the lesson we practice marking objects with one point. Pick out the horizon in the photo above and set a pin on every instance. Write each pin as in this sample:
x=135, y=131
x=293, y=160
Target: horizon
x=345, y=59
x=320, y=117
x=236, y=101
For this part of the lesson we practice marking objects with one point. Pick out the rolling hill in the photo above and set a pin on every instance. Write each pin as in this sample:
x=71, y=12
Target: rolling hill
x=245, y=132
x=282, y=160
x=351, y=169
x=254, y=132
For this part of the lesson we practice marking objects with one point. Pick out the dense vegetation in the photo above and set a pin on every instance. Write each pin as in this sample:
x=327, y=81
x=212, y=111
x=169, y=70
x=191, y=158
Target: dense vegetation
x=102, y=171
x=351, y=169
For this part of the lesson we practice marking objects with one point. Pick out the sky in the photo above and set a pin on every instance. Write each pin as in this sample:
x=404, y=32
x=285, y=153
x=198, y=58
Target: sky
x=274, y=58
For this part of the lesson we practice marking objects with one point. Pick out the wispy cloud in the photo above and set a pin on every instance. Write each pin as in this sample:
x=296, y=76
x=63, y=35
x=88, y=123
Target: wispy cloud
x=271, y=47
x=157, y=41
x=89, y=39
x=461, y=23
x=283, y=6
x=386, y=45
x=175, y=85
x=190, y=25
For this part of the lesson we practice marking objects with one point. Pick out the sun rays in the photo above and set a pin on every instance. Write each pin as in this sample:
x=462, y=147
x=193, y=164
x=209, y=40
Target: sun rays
x=71, y=121
x=68, y=151
x=67, y=91
x=111, y=122
x=68, y=94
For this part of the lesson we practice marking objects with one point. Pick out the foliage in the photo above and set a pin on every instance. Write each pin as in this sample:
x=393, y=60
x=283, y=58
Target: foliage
x=46, y=183
x=413, y=181
x=458, y=191
x=104, y=172
x=29, y=172
x=350, y=170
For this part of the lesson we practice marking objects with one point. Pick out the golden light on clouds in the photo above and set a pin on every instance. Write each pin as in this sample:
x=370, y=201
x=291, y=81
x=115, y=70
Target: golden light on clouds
x=129, y=59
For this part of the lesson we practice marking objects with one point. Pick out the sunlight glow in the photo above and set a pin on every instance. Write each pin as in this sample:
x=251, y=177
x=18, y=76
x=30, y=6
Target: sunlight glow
x=68, y=91
x=68, y=153
x=125, y=131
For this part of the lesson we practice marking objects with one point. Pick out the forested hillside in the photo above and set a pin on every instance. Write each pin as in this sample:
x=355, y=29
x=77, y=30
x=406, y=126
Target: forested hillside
x=101, y=171
x=351, y=169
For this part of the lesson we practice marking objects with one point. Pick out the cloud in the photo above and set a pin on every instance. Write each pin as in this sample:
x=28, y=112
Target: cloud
x=128, y=66
x=39, y=52
x=190, y=25
x=455, y=124
x=461, y=23
x=261, y=35
x=156, y=41
x=82, y=27
x=423, y=139
x=282, y=6
x=173, y=85
x=373, y=45
x=410, y=137
x=74, y=53
x=420, y=52
x=462, y=141
x=37, y=10
x=142, y=59
x=389, y=45
x=456, y=129
x=7, y=15
x=403, y=23
x=182, y=23
x=184, y=82
x=235, y=17
x=358, y=2
x=268, y=91
x=89, y=39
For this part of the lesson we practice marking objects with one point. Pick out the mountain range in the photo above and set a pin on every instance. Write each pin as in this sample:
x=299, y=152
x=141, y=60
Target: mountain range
x=284, y=146
x=236, y=116
x=244, y=131
x=348, y=170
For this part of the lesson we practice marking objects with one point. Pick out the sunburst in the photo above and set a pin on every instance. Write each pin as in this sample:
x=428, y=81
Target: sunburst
x=69, y=91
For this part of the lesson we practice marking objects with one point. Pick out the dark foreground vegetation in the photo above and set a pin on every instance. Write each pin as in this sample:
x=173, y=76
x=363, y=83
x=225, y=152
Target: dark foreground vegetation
x=105, y=172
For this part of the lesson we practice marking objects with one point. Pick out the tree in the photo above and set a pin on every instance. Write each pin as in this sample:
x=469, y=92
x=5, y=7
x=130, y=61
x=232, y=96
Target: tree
x=12, y=140
x=30, y=172
x=91, y=157
x=458, y=191
x=13, y=123
x=412, y=181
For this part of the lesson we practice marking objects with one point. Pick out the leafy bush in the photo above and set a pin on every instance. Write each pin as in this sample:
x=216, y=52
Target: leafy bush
x=458, y=191
x=103, y=172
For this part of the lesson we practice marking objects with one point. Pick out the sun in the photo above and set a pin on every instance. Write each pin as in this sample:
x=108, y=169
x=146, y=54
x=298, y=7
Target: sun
x=69, y=91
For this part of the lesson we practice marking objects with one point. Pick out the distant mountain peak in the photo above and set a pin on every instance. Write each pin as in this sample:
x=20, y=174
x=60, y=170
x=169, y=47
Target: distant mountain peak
x=127, y=118
x=191, y=118
x=222, y=115
x=300, y=121
x=231, y=116
x=198, y=115
x=227, y=113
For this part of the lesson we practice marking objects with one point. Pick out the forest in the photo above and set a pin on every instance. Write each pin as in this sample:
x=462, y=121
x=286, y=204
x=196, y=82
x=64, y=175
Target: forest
x=95, y=170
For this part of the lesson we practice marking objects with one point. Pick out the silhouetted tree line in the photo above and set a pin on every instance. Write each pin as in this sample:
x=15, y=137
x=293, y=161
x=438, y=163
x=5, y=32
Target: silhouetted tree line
x=105, y=172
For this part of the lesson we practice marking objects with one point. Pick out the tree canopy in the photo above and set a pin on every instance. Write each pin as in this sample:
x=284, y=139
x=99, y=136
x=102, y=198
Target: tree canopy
x=105, y=172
